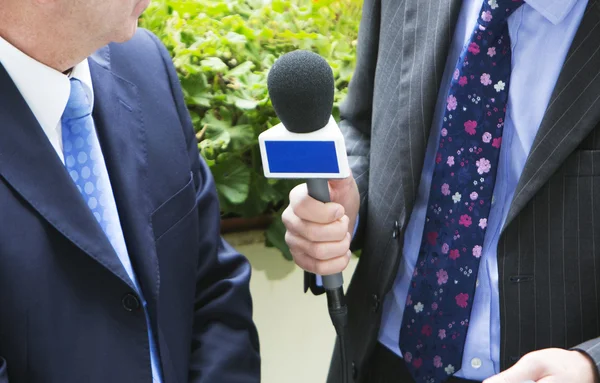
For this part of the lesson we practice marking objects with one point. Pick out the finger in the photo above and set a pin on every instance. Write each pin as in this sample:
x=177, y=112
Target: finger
x=527, y=369
x=339, y=187
x=309, y=209
x=316, y=232
x=315, y=266
x=548, y=379
x=321, y=251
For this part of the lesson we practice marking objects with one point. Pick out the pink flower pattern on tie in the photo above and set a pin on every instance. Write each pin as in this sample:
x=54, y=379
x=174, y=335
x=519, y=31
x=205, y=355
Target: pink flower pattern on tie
x=440, y=297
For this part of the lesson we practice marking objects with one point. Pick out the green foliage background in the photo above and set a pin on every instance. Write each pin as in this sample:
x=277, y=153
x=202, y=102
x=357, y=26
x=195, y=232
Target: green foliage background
x=223, y=50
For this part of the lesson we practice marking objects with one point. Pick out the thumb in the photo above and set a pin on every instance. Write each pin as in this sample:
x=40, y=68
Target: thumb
x=345, y=192
x=341, y=184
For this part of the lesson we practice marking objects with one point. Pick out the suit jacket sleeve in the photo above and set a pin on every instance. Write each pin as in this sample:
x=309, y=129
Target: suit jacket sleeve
x=592, y=349
x=224, y=344
x=356, y=114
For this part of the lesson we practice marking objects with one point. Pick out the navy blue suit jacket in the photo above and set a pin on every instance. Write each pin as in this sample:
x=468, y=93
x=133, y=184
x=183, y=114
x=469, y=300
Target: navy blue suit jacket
x=65, y=303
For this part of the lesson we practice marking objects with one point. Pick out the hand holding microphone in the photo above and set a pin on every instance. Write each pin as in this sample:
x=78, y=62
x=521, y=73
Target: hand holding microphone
x=309, y=145
x=321, y=215
x=319, y=234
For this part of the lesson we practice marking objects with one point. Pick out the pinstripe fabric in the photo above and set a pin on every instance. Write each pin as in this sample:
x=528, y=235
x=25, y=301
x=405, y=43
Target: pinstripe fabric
x=547, y=256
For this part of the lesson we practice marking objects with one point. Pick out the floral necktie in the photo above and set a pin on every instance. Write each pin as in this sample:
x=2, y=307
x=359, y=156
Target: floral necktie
x=440, y=297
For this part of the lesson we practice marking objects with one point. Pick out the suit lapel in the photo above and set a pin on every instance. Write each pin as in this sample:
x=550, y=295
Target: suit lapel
x=29, y=163
x=418, y=98
x=573, y=111
x=122, y=135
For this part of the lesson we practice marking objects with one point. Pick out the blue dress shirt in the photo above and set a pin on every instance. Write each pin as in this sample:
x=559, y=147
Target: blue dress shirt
x=541, y=32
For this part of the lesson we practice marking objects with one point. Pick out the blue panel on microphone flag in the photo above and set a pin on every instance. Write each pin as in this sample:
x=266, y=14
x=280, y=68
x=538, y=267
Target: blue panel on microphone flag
x=302, y=157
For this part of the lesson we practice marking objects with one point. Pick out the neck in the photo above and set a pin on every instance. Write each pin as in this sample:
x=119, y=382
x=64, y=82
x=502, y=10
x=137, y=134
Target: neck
x=48, y=44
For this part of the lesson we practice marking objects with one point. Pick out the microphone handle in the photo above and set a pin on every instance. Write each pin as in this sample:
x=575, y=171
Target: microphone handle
x=318, y=189
x=333, y=284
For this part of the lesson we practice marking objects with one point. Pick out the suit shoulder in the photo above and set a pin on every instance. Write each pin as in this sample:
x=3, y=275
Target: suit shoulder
x=144, y=52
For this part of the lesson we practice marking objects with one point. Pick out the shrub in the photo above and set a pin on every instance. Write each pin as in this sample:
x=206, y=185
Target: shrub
x=222, y=50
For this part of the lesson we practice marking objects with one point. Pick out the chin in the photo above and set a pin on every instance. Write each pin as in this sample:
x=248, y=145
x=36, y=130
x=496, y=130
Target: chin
x=126, y=33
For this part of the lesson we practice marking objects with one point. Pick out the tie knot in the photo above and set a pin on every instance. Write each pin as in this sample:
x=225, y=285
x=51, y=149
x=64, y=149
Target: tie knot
x=495, y=12
x=78, y=105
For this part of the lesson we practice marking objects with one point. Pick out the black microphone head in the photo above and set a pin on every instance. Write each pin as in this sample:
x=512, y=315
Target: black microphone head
x=301, y=87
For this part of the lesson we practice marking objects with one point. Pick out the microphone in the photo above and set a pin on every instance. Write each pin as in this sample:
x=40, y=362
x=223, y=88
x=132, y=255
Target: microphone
x=308, y=144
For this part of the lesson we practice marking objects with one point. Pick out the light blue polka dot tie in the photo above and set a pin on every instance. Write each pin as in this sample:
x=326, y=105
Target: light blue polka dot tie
x=86, y=166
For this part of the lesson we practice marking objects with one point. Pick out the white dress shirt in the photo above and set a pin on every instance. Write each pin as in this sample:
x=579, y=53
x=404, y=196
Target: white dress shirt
x=45, y=90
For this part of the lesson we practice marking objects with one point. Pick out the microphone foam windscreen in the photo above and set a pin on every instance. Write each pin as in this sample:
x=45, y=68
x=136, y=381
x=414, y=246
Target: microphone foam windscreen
x=301, y=87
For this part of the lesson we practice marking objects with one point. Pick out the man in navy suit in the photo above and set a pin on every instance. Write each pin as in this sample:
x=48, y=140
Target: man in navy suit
x=112, y=268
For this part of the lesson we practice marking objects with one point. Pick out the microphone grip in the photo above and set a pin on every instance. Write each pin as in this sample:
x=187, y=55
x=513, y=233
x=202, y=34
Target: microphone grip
x=318, y=189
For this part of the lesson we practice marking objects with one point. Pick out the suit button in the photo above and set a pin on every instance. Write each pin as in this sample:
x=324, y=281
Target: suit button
x=354, y=371
x=375, y=302
x=396, y=230
x=130, y=302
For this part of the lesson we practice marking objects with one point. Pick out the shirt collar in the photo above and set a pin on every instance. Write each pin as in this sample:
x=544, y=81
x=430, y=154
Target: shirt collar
x=553, y=10
x=45, y=90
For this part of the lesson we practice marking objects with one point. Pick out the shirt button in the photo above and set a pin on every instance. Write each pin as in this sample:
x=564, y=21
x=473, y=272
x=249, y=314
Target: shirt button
x=477, y=283
x=476, y=363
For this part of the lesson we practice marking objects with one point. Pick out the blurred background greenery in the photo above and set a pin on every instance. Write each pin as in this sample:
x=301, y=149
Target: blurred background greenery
x=223, y=50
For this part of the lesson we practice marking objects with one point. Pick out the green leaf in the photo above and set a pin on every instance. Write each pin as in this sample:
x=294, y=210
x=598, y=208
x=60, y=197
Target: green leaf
x=235, y=138
x=261, y=195
x=201, y=101
x=218, y=123
x=222, y=51
x=213, y=64
x=232, y=179
x=241, y=103
x=236, y=38
x=241, y=70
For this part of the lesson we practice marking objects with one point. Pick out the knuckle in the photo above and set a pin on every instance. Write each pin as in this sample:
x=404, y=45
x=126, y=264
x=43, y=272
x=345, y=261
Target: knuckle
x=298, y=196
x=341, y=229
x=318, y=251
x=310, y=232
x=529, y=357
x=287, y=237
x=345, y=220
x=290, y=240
x=343, y=262
x=334, y=266
x=286, y=216
x=296, y=191
x=347, y=241
x=321, y=268
x=333, y=211
x=313, y=265
x=331, y=215
x=297, y=258
x=301, y=261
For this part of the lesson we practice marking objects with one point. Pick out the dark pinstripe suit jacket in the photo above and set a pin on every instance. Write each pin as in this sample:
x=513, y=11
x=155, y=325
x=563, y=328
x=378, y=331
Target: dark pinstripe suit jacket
x=549, y=252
